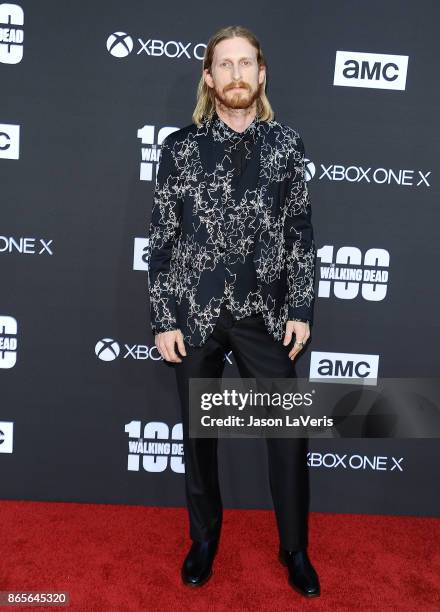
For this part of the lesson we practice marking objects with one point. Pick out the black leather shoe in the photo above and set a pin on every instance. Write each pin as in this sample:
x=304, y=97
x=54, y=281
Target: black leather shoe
x=302, y=575
x=197, y=567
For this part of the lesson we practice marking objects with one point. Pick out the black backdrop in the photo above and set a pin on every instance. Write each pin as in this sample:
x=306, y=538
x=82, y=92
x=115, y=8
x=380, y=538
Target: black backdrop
x=94, y=88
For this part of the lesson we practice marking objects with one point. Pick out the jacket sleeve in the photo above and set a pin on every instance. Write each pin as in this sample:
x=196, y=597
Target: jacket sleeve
x=299, y=238
x=162, y=236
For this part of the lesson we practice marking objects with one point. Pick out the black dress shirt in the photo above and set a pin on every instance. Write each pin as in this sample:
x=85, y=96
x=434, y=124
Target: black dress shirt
x=242, y=294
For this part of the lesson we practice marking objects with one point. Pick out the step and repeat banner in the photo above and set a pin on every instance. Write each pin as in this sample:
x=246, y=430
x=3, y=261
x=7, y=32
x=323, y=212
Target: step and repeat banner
x=89, y=409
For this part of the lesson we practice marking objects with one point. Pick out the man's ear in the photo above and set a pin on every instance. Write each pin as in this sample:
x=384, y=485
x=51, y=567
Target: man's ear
x=207, y=77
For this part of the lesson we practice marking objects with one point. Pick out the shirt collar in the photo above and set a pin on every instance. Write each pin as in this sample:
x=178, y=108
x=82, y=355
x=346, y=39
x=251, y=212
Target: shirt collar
x=221, y=130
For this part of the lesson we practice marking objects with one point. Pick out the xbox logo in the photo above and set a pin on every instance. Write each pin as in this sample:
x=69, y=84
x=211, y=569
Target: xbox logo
x=107, y=349
x=120, y=44
x=309, y=169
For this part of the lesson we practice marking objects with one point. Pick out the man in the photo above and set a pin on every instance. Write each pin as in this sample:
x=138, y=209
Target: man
x=232, y=259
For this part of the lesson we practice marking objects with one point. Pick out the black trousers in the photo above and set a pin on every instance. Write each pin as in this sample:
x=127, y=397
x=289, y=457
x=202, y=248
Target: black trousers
x=257, y=354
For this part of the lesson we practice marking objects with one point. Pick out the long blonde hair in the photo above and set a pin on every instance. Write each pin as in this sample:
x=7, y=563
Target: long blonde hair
x=205, y=105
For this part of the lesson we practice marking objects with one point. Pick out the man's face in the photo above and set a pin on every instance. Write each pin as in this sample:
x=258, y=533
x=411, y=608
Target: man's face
x=235, y=75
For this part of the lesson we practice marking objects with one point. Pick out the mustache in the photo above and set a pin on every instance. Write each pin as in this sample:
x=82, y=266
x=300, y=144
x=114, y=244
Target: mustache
x=232, y=85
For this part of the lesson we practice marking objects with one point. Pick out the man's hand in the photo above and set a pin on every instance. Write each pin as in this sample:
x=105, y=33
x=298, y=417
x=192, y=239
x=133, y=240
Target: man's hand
x=165, y=343
x=302, y=334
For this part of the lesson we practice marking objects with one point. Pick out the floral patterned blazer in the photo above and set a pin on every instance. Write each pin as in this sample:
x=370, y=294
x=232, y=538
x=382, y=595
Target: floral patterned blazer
x=186, y=234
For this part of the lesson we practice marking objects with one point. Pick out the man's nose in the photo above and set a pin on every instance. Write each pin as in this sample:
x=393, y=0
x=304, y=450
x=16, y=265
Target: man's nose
x=236, y=74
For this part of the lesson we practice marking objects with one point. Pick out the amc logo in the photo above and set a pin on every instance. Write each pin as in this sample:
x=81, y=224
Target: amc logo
x=373, y=70
x=337, y=367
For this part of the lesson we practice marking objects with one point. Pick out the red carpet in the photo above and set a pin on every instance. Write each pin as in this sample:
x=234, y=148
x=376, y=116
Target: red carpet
x=128, y=558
